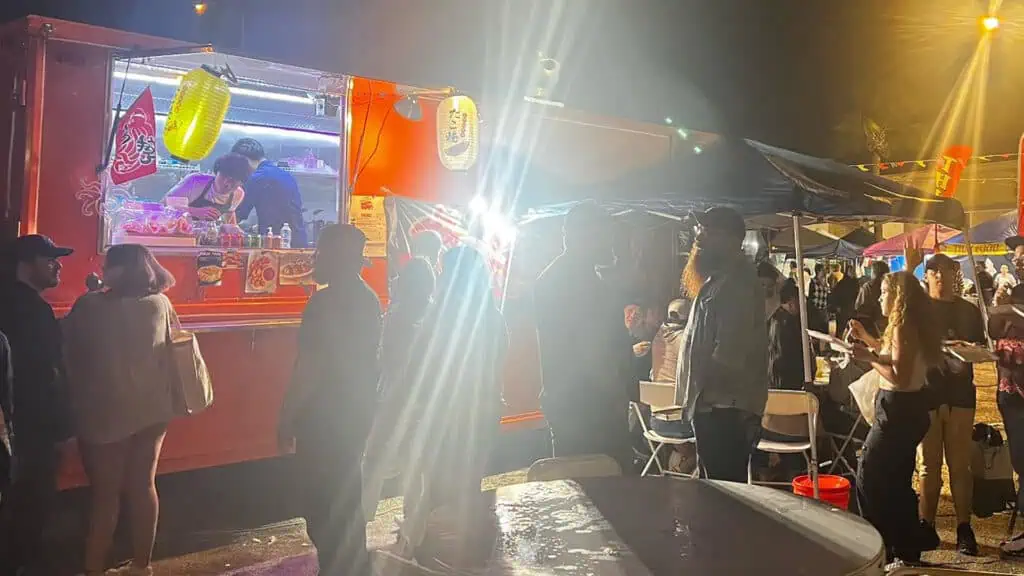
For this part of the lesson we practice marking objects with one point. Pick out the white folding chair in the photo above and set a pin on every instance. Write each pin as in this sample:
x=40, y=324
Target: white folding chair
x=792, y=403
x=566, y=467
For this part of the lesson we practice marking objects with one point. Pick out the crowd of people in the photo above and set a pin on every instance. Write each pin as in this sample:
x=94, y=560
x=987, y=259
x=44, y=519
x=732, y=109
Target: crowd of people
x=415, y=392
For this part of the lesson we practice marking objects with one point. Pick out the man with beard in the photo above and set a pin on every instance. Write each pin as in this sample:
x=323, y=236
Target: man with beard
x=329, y=406
x=38, y=418
x=585, y=349
x=723, y=375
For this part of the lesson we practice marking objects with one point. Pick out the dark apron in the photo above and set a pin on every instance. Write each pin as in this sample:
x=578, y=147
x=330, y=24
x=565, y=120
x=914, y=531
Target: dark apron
x=203, y=202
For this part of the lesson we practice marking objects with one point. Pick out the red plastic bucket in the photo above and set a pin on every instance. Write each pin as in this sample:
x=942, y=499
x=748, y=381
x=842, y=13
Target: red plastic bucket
x=832, y=489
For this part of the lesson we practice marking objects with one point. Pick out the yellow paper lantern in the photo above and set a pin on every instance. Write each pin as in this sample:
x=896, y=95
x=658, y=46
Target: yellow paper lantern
x=197, y=114
x=458, y=131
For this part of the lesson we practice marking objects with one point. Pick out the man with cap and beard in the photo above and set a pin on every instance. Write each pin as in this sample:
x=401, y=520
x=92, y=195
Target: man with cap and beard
x=723, y=370
x=585, y=350
x=38, y=412
x=329, y=406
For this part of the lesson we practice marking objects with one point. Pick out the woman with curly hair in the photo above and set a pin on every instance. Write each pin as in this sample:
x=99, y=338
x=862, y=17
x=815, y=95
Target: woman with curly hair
x=908, y=347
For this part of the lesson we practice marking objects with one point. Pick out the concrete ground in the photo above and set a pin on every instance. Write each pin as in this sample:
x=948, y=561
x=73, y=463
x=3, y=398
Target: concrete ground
x=216, y=521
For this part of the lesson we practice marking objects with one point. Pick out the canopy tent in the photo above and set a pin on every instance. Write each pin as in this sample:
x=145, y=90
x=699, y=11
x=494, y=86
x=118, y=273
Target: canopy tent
x=926, y=238
x=753, y=178
x=784, y=240
x=838, y=248
x=987, y=238
x=756, y=180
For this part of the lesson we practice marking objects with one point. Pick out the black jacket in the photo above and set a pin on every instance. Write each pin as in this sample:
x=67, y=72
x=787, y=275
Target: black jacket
x=39, y=403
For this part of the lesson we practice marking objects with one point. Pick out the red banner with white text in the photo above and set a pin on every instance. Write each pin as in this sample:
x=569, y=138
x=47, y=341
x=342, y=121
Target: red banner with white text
x=949, y=169
x=135, y=142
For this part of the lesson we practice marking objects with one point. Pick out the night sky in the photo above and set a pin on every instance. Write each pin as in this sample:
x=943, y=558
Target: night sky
x=795, y=73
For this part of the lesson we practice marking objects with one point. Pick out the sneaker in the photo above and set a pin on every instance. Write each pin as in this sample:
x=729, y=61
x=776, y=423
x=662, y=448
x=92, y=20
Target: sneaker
x=929, y=537
x=1014, y=548
x=966, y=543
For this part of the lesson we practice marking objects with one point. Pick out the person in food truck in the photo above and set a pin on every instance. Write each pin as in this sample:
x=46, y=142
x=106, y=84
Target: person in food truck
x=586, y=353
x=213, y=197
x=329, y=407
x=722, y=384
x=39, y=420
x=272, y=192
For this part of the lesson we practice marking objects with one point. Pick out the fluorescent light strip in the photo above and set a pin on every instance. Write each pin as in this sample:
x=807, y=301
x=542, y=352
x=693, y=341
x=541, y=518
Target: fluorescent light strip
x=167, y=81
x=251, y=130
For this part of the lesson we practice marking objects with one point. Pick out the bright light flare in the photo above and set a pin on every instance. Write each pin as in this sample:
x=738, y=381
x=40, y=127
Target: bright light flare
x=990, y=23
x=478, y=205
x=200, y=8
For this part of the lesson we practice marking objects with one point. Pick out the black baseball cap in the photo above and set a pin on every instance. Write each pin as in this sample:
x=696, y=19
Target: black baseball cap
x=34, y=246
x=940, y=262
x=723, y=218
x=1013, y=241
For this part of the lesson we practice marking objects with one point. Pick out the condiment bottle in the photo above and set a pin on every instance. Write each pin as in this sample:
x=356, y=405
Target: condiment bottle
x=268, y=241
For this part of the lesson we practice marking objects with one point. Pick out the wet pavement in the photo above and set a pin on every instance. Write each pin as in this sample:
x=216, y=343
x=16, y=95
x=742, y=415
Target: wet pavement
x=238, y=520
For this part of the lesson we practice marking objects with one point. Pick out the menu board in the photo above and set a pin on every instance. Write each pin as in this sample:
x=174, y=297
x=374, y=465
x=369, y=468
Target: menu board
x=368, y=214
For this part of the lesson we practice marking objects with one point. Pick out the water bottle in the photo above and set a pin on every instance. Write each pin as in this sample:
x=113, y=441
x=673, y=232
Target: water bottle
x=286, y=236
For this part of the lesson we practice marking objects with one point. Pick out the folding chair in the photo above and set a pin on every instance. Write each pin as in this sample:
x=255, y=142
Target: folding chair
x=792, y=403
x=839, y=443
x=566, y=467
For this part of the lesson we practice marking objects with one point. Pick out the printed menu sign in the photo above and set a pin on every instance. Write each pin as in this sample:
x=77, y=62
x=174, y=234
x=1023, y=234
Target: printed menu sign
x=261, y=273
x=367, y=213
x=210, y=268
x=295, y=269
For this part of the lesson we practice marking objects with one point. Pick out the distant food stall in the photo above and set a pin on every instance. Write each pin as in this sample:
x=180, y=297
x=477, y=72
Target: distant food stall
x=90, y=107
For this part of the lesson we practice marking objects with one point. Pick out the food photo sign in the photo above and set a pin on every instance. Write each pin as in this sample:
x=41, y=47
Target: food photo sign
x=261, y=273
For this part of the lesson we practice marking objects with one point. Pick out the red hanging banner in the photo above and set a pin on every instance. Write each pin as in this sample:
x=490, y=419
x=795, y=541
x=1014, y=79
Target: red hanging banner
x=1020, y=186
x=135, y=142
x=947, y=172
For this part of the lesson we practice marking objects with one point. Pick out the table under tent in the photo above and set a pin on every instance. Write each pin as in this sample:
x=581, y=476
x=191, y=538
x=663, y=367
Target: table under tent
x=757, y=180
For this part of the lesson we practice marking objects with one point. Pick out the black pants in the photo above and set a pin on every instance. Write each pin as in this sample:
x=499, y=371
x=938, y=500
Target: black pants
x=726, y=438
x=1011, y=407
x=885, y=492
x=330, y=483
x=575, y=432
x=26, y=508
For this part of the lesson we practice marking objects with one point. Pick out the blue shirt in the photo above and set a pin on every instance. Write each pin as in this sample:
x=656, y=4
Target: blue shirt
x=274, y=194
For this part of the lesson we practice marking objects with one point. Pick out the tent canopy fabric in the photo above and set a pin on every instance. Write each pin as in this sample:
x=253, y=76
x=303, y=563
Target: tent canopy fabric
x=993, y=231
x=835, y=249
x=784, y=241
x=753, y=178
x=926, y=238
x=860, y=237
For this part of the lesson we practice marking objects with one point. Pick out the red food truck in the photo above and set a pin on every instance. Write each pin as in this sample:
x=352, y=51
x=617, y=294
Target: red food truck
x=361, y=150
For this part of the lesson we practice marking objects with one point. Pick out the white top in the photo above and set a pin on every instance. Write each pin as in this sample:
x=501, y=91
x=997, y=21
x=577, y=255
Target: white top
x=917, y=377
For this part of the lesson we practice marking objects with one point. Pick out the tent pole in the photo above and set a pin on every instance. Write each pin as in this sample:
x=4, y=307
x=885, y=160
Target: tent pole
x=804, y=338
x=977, y=286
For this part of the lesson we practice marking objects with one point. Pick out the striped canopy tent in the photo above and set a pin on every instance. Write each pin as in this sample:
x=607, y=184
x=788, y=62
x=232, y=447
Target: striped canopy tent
x=987, y=238
x=925, y=238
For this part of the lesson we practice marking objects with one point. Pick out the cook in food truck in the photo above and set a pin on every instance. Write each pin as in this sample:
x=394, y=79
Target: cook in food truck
x=396, y=161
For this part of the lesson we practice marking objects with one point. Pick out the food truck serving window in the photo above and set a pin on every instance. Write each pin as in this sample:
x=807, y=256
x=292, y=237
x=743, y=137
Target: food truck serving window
x=272, y=180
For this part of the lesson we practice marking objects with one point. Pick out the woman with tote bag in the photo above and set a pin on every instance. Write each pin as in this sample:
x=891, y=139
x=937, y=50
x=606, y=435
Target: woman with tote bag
x=122, y=381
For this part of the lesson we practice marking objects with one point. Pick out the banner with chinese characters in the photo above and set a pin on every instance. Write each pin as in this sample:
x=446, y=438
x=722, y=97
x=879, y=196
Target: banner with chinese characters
x=135, y=142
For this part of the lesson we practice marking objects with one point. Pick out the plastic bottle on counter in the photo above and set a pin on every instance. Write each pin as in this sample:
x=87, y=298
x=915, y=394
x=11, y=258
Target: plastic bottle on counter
x=286, y=236
x=269, y=239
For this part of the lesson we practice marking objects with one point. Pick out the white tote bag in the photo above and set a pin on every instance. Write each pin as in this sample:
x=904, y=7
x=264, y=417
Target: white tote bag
x=193, y=389
x=864, y=391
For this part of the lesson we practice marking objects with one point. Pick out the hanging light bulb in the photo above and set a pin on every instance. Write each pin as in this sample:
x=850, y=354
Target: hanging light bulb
x=200, y=8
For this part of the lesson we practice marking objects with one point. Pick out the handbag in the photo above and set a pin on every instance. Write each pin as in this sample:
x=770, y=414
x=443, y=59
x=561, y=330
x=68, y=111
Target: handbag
x=864, y=391
x=994, y=490
x=191, y=386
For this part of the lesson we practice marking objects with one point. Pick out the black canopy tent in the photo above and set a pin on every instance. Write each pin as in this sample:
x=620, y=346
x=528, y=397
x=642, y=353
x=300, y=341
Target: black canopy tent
x=756, y=180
